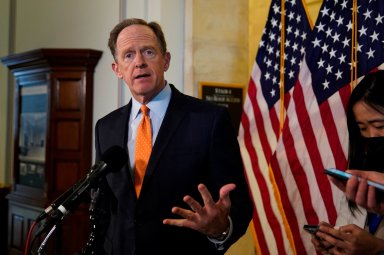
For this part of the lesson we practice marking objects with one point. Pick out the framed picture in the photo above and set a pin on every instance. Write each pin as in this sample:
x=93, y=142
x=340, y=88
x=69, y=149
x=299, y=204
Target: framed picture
x=32, y=134
x=229, y=95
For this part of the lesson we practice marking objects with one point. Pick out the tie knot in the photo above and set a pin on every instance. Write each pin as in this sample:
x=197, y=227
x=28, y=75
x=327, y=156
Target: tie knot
x=144, y=109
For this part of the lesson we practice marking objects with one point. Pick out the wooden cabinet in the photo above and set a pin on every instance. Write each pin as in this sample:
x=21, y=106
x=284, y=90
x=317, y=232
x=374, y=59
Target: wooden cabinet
x=52, y=139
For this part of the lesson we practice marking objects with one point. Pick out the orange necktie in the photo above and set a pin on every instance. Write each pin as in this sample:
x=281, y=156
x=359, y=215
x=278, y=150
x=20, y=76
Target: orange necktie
x=143, y=148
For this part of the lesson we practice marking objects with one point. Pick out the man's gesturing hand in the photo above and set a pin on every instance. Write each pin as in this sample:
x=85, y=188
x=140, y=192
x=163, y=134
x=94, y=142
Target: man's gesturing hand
x=211, y=218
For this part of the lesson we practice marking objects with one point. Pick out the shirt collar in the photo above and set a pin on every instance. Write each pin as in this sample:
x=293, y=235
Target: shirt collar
x=158, y=105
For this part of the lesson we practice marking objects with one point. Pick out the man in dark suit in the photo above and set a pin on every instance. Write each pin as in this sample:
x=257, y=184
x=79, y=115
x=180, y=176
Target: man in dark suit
x=192, y=197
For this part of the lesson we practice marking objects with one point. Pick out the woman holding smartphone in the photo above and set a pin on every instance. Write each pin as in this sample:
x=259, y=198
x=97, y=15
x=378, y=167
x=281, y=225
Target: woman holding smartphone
x=359, y=231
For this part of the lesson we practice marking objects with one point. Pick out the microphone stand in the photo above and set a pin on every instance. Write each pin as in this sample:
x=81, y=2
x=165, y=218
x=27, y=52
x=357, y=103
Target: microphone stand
x=44, y=242
x=51, y=223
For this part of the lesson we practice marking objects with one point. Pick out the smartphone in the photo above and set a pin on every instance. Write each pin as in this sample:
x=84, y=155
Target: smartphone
x=343, y=176
x=312, y=229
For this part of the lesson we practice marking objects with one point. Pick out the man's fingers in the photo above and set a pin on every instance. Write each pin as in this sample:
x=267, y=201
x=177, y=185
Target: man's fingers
x=184, y=213
x=226, y=189
x=193, y=204
x=206, y=195
x=173, y=222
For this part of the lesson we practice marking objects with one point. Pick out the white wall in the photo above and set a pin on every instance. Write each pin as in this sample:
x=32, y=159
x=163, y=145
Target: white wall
x=4, y=45
x=84, y=24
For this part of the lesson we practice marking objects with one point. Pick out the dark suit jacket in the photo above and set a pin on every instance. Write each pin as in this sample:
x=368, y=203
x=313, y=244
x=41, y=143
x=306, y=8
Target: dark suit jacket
x=196, y=144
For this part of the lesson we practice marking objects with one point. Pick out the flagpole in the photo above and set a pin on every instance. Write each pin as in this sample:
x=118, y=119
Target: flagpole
x=354, y=47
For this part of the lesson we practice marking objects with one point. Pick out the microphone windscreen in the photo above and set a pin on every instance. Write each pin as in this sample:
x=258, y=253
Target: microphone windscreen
x=115, y=157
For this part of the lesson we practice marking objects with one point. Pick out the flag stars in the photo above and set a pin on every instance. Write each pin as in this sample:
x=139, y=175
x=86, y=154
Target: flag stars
x=326, y=85
x=336, y=37
x=320, y=27
x=298, y=19
x=300, y=63
x=329, y=32
x=291, y=74
x=297, y=33
x=273, y=93
x=339, y=21
x=272, y=36
x=270, y=49
x=358, y=7
x=329, y=69
x=339, y=74
x=363, y=31
x=367, y=14
x=374, y=36
x=277, y=54
x=302, y=50
x=344, y=4
x=276, y=67
x=325, y=11
x=332, y=53
x=346, y=42
x=316, y=43
x=324, y=47
x=287, y=43
x=295, y=46
x=291, y=16
x=320, y=63
x=289, y=29
x=276, y=9
x=285, y=56
x=342, y=58
x=379, y=19
x=264, y=31
x=304, y=36
x=349, y=26
x=267, y=76
x=370, y=53
x=332, y=16
x=274, y=22
x=359, y=46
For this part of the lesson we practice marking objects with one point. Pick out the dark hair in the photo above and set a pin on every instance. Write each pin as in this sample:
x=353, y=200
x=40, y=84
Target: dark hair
x=370, y=90
x=128, y=22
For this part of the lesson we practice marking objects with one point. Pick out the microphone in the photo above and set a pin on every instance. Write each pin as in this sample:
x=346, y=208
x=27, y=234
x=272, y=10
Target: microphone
x=58, y=201
x=112, y=160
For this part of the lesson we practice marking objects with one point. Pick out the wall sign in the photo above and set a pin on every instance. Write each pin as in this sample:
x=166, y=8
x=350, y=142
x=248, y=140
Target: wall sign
x=227, y=95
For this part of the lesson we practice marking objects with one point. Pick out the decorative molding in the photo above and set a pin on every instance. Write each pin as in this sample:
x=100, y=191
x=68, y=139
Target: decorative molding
x=189, y=82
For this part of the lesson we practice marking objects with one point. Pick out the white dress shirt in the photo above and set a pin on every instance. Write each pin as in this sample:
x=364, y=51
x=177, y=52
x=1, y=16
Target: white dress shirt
x=157, y=108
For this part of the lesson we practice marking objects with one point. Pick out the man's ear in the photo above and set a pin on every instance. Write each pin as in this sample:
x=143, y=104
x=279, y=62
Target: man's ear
x=167, y=62
x=116, y=70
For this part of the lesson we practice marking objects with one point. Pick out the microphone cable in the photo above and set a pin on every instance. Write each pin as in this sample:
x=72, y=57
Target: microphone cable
x=26, y=250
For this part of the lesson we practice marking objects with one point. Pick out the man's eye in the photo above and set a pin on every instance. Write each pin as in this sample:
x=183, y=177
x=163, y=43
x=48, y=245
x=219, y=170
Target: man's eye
x=149, y=53
x=129, y=55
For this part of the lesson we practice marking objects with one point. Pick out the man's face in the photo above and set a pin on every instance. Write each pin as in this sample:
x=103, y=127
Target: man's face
x=140, y=63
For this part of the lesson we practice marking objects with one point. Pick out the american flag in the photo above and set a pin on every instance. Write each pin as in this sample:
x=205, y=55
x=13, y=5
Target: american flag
x=285, y=169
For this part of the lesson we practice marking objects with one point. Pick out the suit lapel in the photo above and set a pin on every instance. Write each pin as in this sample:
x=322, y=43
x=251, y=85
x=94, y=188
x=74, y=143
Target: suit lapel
x=121, y=181
x=172, y=119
